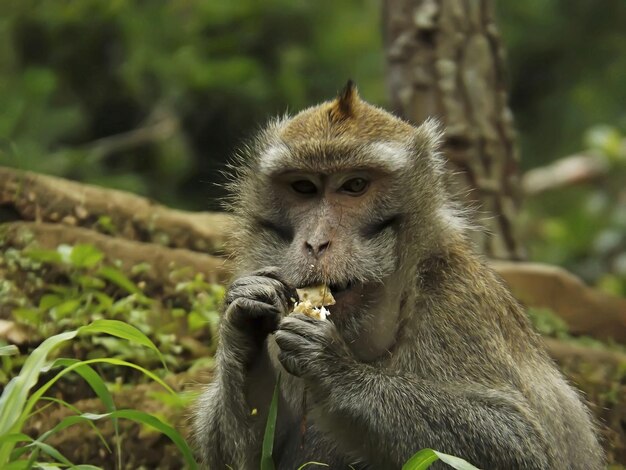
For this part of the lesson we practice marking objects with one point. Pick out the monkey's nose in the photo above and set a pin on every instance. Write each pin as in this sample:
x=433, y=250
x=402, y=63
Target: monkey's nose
x=316, y=249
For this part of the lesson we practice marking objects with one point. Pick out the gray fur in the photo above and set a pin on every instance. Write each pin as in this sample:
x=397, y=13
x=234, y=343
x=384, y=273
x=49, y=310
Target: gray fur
x=435, y=354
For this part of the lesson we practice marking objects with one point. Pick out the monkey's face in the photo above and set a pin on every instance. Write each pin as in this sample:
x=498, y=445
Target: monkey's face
x=326, y=221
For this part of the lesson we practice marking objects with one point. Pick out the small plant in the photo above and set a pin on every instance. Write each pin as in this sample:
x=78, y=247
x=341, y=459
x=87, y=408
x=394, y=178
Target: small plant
x=17, y=403
x=70, y=286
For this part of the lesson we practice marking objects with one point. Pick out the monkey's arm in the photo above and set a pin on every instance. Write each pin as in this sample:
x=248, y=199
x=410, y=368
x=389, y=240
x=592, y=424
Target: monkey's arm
x=232, y=412
x=385, y=417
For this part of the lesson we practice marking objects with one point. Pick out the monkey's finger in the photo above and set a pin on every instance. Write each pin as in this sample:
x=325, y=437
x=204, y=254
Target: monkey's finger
x=260, y=288
x=290, y=363
x=244, y=311
x=301, y=325
x=289, y=341
x=273, y=272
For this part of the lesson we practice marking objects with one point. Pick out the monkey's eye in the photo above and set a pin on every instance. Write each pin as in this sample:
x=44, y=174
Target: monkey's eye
x=304, y=187
x=355, y=186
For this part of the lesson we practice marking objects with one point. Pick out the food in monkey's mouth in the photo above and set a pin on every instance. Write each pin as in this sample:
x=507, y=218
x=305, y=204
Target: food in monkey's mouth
x=313, y=301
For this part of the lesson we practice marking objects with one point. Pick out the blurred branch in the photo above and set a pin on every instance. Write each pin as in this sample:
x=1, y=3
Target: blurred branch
x=42, y=198
x=567, y=171
x=160, y=125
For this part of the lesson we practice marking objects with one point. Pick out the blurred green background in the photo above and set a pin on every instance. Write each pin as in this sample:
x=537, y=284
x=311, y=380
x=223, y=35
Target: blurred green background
x=154, y=96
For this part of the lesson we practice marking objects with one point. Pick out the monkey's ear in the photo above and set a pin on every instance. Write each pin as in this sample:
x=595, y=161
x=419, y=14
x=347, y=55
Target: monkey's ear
x=343, y=106
x=429, y=136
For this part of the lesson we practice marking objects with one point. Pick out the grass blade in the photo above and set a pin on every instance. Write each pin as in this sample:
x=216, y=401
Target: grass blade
x=35, y=397
x=124, y=331
x=301, y=467
x=10, y=350
x=52, y=452
x=15, y=438
x=425, y=458
x=99, y=387
x=63, y=425
x=421, y=460
x=119, y=279
x=270, y=428
x=156, y=423
x=14, y=396
x=455, y=462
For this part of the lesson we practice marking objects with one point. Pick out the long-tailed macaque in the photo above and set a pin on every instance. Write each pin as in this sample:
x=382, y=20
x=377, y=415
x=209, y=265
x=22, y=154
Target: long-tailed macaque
x=425, y=346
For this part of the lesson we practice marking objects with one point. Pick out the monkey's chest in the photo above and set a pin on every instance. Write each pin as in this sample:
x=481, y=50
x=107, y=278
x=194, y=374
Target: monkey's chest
x=300, y=444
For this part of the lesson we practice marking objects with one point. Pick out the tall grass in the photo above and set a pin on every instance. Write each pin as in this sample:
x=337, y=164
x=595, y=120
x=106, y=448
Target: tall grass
x=19, y=398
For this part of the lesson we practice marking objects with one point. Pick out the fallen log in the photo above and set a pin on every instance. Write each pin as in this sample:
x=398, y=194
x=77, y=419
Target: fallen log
x=42, y=198
x=567, y=171
x=586, y=311
x=127, y=253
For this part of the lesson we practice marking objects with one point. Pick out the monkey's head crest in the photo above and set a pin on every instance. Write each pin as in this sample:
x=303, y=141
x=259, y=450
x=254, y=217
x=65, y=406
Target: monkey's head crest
x=343, y=106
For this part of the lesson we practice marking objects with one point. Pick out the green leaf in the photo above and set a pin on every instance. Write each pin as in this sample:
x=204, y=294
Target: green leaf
x=104, y=300
x=119, y=279
x=29, y=316
x=425, y=458
x=85, y=256
x=14, y=438
x=455, y=462
x=10, y=350
x=49, y=300
x=312, y=463
x=154, y=422
x=105, y=223
x=90, y=282
x=44, y=256
x=421, y=460
x=268, y=438
x=36, y=396
x=63, y=424
x=18, y=465
x=122, y=330
x=93, y=379
x=52, y=452
x=16, y=392
x=65, y=309
x=99, y=387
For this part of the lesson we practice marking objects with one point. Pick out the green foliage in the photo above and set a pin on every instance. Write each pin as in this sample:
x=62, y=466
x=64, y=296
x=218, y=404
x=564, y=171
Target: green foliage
x=584, y=228
x=563, y=81
x=17, y=402
x=212, y=70
x=84, y=289
x=548, y=323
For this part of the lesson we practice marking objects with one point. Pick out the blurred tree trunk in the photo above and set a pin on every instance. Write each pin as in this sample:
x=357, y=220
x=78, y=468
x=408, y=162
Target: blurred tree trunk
x=445, y=59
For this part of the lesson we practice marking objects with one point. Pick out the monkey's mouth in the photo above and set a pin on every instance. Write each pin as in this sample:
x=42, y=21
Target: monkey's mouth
x=337, y=288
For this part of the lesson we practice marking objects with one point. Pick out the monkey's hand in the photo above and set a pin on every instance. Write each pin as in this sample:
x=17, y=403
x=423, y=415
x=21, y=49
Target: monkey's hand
x=309, y=346
x=254, y=305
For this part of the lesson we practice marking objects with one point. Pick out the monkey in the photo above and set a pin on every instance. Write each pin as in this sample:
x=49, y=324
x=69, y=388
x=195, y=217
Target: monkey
x=425, y=346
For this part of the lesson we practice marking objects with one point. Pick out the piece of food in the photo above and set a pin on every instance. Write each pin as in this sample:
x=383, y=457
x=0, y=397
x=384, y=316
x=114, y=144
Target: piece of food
x=313, y=302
